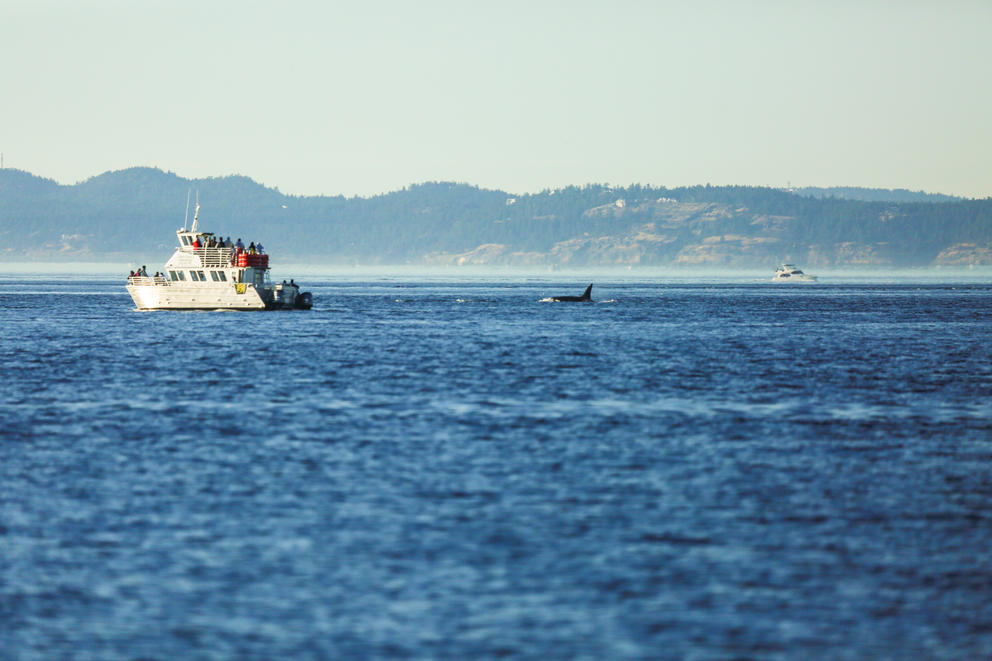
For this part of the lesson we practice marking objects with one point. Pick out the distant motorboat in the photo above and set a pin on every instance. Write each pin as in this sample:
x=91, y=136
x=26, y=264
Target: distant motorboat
x=789, y=273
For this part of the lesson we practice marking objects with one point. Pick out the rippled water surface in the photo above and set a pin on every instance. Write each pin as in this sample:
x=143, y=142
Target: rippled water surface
x=454, y=469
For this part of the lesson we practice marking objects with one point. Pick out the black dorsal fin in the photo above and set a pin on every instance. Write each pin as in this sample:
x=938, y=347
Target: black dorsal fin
x=587, y=295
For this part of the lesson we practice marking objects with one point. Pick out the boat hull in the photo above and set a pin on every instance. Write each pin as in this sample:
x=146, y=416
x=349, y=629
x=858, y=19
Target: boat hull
x=173, y=297
x=807, y=278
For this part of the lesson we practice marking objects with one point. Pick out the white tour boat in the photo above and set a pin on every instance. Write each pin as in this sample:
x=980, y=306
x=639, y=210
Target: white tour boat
x=198, y=277
x=789, y=273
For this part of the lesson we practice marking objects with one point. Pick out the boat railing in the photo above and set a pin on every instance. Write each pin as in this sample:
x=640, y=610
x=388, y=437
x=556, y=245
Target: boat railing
x=147, y=281
x=213, y=256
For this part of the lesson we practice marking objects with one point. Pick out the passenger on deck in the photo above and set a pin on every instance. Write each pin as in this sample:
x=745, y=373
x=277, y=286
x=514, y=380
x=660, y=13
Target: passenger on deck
x=240, y=245
x=258, y=248
x=144, y=273
x=251, y=248
x=196, y=243
x=220, y=242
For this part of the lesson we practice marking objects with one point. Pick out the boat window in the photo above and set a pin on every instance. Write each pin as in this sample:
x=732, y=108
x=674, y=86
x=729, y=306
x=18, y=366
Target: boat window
x=214, y=277
x=192, y=276
x=173, y=276
x=203, y=278
x=222, y=276
x=185, y=240
x=181, y=274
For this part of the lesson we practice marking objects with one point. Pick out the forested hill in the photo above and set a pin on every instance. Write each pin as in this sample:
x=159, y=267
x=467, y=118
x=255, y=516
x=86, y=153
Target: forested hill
x=874, y=194
x=132, y=215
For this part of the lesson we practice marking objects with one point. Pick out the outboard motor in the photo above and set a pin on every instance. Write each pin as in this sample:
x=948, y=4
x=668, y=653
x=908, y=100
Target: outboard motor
x=304, y=301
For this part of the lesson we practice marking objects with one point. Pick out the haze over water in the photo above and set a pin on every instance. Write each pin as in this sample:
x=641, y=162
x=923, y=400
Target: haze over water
x=442, y=468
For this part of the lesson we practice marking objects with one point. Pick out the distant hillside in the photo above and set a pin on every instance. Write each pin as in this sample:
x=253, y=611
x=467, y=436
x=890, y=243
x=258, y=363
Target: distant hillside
x=874, y=194
x=132, y=215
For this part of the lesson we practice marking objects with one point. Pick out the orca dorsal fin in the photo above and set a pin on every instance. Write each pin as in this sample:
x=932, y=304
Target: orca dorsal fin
x=587, y=294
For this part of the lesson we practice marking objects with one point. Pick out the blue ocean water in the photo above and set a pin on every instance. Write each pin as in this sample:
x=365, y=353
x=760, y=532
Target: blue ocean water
x=452, y=469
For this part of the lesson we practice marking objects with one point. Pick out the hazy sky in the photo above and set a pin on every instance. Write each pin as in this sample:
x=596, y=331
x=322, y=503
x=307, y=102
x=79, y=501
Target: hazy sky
x=357, y=98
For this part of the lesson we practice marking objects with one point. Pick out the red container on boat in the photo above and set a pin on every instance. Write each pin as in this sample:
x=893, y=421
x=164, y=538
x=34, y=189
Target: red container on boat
x=257, y=261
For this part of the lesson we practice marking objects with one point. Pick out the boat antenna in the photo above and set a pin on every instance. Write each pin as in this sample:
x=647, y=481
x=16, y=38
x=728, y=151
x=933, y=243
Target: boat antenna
x=196, y=214
x=186, y=220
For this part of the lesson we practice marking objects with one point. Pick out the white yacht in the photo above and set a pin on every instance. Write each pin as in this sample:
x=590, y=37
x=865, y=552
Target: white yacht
x=789, y=273
x=204, y=276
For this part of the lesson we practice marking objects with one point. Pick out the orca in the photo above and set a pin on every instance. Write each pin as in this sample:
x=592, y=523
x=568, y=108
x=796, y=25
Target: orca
x=586, y=297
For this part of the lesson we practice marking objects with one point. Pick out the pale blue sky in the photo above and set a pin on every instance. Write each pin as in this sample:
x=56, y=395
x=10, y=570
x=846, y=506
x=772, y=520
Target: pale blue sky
x=358, y=98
